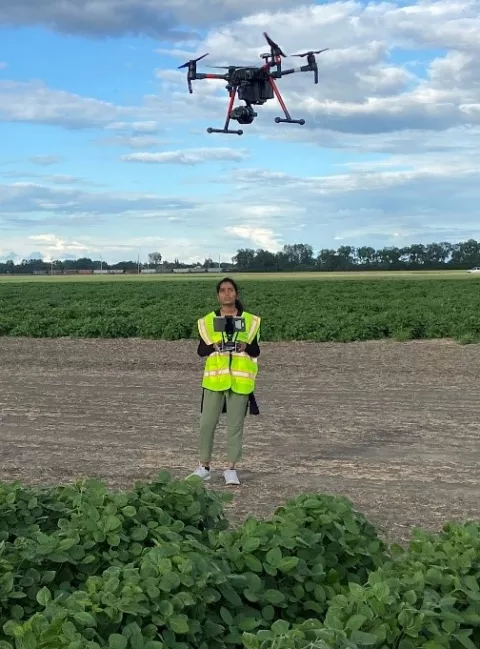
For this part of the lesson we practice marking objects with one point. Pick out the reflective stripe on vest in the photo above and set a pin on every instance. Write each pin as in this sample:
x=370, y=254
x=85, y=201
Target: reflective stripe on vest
x=236, y=370
x=202, y=327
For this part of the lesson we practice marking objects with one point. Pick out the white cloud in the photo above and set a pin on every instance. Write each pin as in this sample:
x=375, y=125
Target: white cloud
x=61, y=204
x=6, y=254
x=55, y=179
x=49, y=246
x=437, y=178
x=136, y=127
x=364, y=206
x=45, y=160
x=53, y=247
x=100, y=222
x=259, y=237
x=106, y=18
x=131, y=141
x=37, y=103
x=133, y=134
x=425, y=200
x=187, y=156
x=24, y=198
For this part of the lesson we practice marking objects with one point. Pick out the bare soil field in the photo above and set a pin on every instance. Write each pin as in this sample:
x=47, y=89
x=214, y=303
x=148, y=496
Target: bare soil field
x=394, y=426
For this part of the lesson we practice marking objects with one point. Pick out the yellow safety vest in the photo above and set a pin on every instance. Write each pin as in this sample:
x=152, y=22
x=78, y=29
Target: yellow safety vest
x=234, y=371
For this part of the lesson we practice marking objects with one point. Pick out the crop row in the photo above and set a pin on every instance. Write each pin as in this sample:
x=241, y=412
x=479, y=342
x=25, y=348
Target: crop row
x=159, y=567
x=294, y=310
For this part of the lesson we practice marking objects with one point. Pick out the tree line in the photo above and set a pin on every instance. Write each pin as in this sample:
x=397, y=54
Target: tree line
x=297, y=257
x=292, y=258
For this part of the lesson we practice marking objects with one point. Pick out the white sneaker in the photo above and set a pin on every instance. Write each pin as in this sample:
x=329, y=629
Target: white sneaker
x=231, y=477
x=202, y=473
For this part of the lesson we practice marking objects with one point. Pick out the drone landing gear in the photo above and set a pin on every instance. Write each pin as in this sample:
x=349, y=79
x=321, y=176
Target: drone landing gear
x=287, y=119
x=225, y=129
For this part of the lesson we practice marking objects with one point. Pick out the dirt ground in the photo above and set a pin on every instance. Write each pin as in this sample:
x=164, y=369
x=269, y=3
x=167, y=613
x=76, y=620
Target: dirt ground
x=394, y=426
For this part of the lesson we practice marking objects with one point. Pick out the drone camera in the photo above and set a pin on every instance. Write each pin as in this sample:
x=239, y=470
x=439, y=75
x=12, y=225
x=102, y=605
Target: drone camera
x=243, y=114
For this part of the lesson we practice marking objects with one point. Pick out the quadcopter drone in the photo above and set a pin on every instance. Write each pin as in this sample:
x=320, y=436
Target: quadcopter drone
x=254, y=85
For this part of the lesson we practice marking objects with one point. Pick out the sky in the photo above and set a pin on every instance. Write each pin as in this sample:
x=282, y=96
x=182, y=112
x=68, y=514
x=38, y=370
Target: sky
x=105, y=154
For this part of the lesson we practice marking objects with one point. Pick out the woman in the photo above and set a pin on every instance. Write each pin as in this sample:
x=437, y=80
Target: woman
x=228, y=379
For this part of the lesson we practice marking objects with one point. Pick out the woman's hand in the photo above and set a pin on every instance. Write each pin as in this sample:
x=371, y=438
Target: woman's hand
x=241, y=347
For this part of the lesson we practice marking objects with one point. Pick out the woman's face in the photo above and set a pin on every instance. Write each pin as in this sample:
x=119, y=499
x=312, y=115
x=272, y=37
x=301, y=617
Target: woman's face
x=227, y=294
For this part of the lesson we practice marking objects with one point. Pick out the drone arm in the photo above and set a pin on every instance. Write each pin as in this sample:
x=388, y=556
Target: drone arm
x=303, y=68
x=192, y=76
x=192, y=73
x=311, y=67
x=203, y=75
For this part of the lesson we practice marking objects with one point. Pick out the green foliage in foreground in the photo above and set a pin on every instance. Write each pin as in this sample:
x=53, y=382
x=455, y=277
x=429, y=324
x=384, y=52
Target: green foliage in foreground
x=158, y=567
x=291, y=310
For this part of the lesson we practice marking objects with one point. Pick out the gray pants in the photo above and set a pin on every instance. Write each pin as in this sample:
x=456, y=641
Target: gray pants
x=211, y=411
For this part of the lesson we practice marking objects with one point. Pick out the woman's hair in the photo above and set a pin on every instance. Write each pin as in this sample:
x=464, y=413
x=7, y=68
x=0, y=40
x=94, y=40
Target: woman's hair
x=225, y=280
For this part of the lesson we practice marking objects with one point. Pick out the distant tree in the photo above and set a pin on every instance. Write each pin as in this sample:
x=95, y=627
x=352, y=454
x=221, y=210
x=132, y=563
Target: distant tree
x=466, y=254
x=367, y=256
x=389, y=258
x=437, y=253
x=244, y=259
x=154, y=259
x=296, y=256
x=345, y=258
x=266, y=261
x=84, y=263
x=327, y=259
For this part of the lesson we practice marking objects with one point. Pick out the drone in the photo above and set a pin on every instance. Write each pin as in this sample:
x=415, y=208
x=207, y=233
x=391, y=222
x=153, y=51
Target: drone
x=254, y=85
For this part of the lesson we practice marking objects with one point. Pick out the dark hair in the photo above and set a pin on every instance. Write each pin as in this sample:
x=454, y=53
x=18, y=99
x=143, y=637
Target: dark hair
x=228, y=280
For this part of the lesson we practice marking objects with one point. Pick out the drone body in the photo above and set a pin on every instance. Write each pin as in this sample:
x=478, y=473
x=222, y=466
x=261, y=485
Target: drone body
x=254, y=85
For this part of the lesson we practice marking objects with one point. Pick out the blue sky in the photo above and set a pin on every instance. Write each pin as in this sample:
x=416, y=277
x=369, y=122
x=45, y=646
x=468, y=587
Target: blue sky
x=104, y=153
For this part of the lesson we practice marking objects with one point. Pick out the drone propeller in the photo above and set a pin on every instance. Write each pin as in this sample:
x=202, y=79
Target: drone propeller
x=192, y=68
x=311, y=52
x=227, y=67
x=312, y=62
x=276, y=51
x=189, y=63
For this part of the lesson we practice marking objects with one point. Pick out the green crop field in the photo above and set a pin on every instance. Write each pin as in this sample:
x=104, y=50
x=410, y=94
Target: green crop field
x=158, y=567
x=291, y=308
